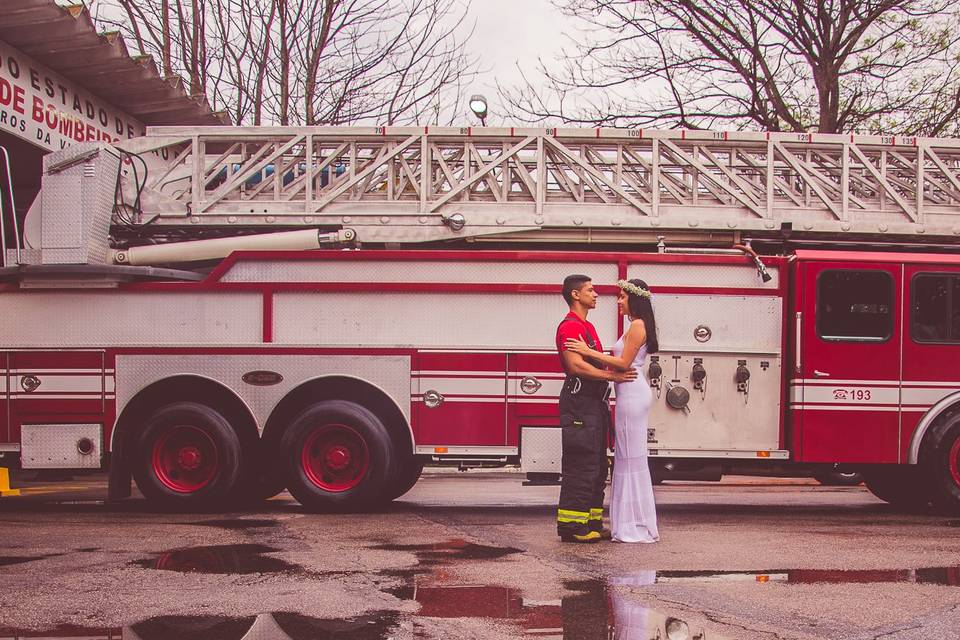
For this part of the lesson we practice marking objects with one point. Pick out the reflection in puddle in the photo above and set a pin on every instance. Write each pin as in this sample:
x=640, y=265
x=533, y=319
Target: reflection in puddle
x=949, y=576
x=379, y=624
x=593, y=610
x=63, y=632
x=276, y=626
x=228, y=558
x=191, y=627
x=590, y=609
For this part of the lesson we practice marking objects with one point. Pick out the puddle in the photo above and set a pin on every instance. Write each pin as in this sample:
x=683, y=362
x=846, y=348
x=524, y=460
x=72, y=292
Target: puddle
x=587, y=615
x=192, y=627
x=228, y=558
x=948, y=576
x=6, y=561
x=590, y=609
x=442, y=552
x=430, y=556
x=379, y=625
x=63, y=632
x=238, y=523
x=371, y=626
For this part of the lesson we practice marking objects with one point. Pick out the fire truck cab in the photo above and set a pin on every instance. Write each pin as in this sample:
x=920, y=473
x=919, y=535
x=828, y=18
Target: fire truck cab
x=874, y=378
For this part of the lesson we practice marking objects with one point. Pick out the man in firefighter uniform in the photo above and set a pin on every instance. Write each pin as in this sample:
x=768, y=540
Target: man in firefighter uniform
x=584, y=420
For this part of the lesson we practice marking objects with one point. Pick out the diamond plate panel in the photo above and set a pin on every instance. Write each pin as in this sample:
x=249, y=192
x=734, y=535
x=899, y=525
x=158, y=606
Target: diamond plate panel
x=418, y=271
x=540, y=449
x=703, y=275
x=389, y=373
x=115, y=318
x=61, y=225
x=441, y=320
x=54, y=446
x=742, y=324
x=27, y=256
x=77, y=204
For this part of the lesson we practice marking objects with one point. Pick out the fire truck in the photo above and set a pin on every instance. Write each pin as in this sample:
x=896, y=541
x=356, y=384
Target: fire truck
x=221, y=313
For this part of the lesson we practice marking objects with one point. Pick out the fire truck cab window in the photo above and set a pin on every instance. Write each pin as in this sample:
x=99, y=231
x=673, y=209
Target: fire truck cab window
x=935, y=307
x=854, y=305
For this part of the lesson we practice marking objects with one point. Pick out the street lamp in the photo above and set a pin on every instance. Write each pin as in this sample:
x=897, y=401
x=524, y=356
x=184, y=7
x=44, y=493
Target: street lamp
x=478, y=104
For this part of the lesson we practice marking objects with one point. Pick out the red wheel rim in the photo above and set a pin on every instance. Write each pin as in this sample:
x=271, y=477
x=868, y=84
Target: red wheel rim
x=954, y=461
x=185, y=459
x=335, y=457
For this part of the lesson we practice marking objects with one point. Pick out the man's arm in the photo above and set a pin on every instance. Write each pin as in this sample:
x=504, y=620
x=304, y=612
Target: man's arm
x=575, y=365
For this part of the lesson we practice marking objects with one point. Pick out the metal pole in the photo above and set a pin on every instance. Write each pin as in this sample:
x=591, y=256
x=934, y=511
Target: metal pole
x=13, y=213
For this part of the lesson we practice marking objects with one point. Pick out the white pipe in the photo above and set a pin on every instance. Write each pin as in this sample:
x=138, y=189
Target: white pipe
x=214, y=248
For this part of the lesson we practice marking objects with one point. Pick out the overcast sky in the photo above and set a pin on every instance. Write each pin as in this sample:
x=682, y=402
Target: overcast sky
x=506, y=33
x=512, y=31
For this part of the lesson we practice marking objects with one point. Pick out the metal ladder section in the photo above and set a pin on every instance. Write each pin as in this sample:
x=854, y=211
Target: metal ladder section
x=417, y=184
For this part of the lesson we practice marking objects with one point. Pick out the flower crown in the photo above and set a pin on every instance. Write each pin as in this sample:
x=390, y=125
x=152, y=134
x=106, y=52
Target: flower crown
x=633, y=289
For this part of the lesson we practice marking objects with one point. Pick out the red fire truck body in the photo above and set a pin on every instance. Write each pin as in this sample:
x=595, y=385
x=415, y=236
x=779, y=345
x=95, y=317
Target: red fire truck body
x=339, y=373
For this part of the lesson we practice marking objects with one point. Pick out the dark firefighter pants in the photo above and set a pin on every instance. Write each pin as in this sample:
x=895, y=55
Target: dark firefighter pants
x=584, y=423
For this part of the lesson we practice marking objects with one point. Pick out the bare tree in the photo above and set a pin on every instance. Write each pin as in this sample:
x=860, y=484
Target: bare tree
x=311, y=61
x=796, y=65
x=165, y=46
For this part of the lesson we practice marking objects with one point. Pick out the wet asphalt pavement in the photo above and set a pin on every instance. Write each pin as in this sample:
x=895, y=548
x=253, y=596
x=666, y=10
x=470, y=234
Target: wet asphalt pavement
x=474, y=555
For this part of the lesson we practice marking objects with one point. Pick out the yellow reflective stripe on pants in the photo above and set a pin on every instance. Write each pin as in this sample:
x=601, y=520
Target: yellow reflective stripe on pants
x=596, y=514
x=566, y=515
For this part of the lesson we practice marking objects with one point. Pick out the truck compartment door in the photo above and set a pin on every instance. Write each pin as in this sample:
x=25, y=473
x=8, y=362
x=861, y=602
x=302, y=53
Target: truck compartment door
x=459, y=399
x=52, y=387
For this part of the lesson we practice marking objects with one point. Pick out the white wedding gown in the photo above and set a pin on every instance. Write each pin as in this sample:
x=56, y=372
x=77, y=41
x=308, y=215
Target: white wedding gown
x=633, y=514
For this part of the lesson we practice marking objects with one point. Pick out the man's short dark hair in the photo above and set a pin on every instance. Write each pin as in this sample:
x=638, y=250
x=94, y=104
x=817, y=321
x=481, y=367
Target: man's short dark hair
x=573, y=283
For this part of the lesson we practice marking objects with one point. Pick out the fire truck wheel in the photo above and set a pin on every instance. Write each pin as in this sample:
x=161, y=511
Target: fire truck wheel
x=940, y=458
x=405, y=478
x=903, y=487
x=187, y=457
x=337, y=457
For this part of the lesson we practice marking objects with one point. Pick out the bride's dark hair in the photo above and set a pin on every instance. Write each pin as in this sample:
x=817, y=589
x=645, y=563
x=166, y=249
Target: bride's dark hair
x=641, y=309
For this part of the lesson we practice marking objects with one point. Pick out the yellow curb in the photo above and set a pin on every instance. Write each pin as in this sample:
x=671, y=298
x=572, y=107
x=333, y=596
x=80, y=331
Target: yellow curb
x=5, y=489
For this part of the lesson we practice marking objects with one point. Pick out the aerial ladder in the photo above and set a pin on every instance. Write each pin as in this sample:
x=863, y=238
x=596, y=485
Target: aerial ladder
x=194, y=194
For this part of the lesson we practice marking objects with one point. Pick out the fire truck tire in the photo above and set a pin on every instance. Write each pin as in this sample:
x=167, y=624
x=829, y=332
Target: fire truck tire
x=940, y=459
x=187, y=457
x=903, y=487
x=337, y=457
x=406, y=477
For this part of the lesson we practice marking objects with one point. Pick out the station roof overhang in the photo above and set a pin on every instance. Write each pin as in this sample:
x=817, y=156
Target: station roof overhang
x=65, y=39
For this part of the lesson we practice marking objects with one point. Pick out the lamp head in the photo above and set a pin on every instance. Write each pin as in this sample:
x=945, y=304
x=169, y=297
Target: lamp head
x=478, y=104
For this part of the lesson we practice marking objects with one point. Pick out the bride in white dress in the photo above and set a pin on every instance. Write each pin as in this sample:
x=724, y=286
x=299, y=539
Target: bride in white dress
x=633, y=513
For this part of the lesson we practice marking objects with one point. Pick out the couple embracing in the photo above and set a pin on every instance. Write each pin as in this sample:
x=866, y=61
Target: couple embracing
x=585, y=418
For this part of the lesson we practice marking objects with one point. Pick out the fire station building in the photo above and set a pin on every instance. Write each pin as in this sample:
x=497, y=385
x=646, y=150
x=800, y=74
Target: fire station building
x=62, y=82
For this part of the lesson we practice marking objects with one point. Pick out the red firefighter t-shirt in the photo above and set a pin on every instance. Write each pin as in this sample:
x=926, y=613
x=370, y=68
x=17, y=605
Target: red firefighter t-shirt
x=573, y=327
